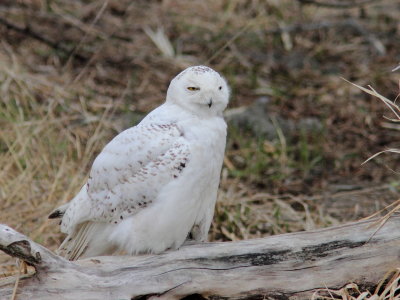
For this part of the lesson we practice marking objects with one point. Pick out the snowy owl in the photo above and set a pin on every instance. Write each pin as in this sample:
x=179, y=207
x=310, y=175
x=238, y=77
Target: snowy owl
x=155, y=184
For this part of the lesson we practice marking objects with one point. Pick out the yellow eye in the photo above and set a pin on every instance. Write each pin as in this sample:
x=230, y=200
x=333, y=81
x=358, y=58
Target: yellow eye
x=192, y=88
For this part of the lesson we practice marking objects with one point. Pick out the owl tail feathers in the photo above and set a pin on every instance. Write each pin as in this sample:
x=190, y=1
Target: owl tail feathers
x=75, y=243
x=87, y=240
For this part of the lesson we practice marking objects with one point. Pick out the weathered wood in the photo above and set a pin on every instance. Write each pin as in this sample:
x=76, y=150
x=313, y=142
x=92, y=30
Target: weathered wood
x=279, y=267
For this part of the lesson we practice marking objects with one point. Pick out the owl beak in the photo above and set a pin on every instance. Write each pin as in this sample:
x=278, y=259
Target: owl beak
x=210, y=102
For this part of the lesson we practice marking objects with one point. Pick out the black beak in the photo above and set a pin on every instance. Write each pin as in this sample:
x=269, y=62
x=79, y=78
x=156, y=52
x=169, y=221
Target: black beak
x=210, y=103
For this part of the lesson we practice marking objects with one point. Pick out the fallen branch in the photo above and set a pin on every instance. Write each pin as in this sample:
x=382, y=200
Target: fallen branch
x=283, y=266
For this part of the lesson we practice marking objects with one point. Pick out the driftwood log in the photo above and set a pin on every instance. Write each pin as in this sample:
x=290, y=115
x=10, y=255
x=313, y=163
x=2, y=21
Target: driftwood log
x=287, y=266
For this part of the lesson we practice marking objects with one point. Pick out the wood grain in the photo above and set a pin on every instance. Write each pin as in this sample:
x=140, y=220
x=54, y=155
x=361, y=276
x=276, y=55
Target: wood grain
x=287, y=266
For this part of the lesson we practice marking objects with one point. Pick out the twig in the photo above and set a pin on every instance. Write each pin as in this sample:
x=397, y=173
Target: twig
x=29, y=32
x=336, y=4
x=390, y=104
x=396, y=68
x=230, y=41
x=122, y=63
x=21, y=264
x=83, y=39
x=60, y=17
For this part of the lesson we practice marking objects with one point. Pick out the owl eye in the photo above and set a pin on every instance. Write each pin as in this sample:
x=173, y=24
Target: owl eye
x=192, y=88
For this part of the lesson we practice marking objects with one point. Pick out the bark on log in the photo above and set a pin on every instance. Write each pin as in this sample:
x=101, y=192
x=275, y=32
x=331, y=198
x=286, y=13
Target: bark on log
x=286, y=266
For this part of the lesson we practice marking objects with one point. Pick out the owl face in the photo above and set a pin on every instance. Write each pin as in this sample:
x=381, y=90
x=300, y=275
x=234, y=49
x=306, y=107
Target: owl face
x=201, y=90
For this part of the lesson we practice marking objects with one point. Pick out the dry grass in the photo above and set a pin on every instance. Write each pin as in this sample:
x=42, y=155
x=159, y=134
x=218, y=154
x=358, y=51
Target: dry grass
x=60, y=105
x=388, y=288
x=395, y=109
x=49, y=144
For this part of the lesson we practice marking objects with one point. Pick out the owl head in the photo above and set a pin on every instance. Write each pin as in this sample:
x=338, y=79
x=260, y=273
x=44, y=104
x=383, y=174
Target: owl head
x=200, y=90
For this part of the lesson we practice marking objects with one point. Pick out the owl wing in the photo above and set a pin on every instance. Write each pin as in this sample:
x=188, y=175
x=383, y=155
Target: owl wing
x=128, y=175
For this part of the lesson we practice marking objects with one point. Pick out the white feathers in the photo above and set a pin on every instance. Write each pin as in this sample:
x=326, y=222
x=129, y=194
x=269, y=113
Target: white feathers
x=154, y=183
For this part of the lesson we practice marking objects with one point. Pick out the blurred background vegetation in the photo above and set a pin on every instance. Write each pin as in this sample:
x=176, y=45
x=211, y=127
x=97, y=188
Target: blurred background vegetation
x=74, y=73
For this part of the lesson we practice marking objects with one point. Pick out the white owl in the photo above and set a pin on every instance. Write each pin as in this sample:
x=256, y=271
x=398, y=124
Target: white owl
x=156, y=183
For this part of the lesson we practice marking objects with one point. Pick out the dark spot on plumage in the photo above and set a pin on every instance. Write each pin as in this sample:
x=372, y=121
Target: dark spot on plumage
x=115, y=222
x=181, y=166
x=140, y=203
x=56, y=214
x=96, y=261
x=175, y=176
x=121, y=217
x=143, y=196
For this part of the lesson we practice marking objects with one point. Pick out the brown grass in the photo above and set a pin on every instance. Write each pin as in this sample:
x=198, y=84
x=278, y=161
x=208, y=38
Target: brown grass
x=387, y=288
